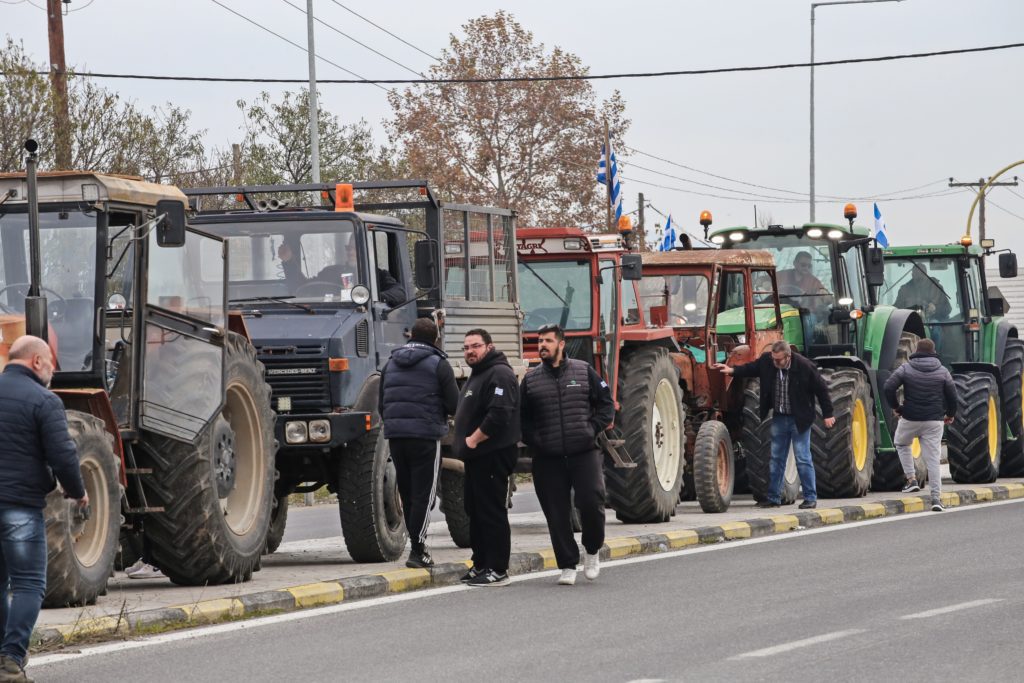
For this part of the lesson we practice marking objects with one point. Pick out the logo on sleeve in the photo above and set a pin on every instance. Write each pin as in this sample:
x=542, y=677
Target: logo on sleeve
x=498, y=391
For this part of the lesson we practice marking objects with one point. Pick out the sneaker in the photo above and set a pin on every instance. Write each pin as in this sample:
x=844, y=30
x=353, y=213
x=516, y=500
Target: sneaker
x=808, y=505
x=912, y=486
x=489, y=577
x=471, y=574
x=139, y=564
x=591, y=566
x=937, y=506
x=10, y=672
x=419, y=559
x=767, y=504
x=568, y=578
x=146, y=571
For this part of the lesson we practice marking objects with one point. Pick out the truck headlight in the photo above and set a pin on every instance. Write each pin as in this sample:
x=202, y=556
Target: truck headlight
x=319, y=431
x=296, y=432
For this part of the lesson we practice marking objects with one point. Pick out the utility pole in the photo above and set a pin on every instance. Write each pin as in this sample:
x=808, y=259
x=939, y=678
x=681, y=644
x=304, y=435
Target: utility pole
x=640, y=223
x=981, y=203
x=59, y=83
x=236, y=164
x=314, y=109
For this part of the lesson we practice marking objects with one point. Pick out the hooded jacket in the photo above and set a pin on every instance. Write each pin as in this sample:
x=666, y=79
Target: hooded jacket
x=417, y=392
x=489, y=402
x=928, y=390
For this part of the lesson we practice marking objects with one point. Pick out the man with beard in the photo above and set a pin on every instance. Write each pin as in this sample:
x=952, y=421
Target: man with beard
x=565, y=405
x=486, y=437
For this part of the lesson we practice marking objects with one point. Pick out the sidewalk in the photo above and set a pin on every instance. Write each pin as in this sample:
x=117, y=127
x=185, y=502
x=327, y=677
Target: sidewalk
x=318, y=572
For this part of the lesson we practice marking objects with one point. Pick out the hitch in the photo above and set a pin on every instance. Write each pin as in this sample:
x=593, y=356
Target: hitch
x=611, y=447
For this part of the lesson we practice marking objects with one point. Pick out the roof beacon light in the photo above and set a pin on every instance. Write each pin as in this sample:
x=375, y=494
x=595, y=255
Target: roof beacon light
x=814, y=233
x=625, y=224
x=343, y=200
x=835, y=234
x=705, y=220
x=966, y=241
x=849, y=213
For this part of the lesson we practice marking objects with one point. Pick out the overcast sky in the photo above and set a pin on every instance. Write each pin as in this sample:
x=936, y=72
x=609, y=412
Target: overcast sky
x=881, y=128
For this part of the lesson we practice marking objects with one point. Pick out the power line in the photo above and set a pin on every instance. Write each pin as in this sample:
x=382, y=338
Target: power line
x=403, y=40
x=523, y=79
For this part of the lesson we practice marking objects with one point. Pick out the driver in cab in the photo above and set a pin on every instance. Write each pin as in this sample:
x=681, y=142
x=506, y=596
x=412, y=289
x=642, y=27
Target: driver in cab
x=800, y=279
x=391, y=291
x=924, y=294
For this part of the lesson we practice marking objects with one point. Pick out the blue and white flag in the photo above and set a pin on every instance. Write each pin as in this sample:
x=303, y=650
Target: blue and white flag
x=669, y=240
x=880, y=235
x=614, y=188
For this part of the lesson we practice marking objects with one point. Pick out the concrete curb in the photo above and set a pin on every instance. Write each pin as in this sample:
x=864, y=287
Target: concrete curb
x=403, y=580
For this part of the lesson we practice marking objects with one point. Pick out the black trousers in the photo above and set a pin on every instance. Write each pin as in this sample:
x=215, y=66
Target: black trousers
x=486, y=494
x=417, y=463
x=555, y=479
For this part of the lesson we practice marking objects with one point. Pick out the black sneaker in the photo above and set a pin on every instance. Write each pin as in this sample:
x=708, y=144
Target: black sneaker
x=471, y=574
x=766, y=504
x=937, y=506
x=808, y=505
x=419, y=559
x=490, y=577
x=912, y=486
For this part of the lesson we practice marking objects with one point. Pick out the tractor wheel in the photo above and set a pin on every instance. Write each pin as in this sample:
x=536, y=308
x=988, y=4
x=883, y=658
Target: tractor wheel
x=756, y=442
x=974, y=440
x=81, y=549
x=278, y=521
x=368, y=501
x=888, y=472
x=844, y=455
x=1012, y=371
x=651, y=422
x=714, y=467
x=453, y=505
x=218, y=492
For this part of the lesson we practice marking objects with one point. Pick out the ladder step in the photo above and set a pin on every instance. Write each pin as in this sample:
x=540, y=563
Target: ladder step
x=138, y=470
x=144, y=510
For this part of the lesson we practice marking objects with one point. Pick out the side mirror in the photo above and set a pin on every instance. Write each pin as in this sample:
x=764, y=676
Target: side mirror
x=170, y=231
x=426, y=264
x=874, y=267
x=1008, y=265
x=631, y=266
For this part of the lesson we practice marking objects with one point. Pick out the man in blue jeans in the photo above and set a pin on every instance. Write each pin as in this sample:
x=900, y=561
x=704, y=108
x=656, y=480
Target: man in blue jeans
x=36, y=446
x=789, y=385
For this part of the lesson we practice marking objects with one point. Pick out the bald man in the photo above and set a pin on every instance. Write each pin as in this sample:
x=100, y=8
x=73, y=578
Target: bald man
x=35, y=447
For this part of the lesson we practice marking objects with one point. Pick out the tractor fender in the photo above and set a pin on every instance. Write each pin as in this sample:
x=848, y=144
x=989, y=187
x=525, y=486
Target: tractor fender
x=1004, y=330
x=667, y=342
x=857, y=364
x=988, y=368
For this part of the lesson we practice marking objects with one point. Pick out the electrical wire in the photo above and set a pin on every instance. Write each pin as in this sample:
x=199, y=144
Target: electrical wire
x=402, y=40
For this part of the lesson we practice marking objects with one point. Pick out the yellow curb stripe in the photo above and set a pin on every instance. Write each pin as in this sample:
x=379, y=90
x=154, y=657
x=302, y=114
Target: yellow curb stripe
x=950, y=499
x=401, y=580
x=785, y=522
x=91, y=627
x=734, y=530
x=912, y=504
x=872, y=510
x=218, y=608
x=548, y=555
x=622, y=547
x=681, y=538
x=831, y=516
x=311, y=594
x=1014, y=490
x=982, y=493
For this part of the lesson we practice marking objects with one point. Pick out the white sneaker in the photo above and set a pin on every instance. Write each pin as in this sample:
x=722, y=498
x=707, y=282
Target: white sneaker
x=146, y=571
x=591, y=565
x=568, y=578
x=139, y=564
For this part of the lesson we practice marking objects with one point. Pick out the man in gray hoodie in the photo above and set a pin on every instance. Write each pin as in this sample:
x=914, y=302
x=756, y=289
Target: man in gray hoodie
x=929, y=402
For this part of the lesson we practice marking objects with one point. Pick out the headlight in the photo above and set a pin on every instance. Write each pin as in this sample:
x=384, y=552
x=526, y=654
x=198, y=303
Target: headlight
x=360, y=295
x=845, y=301
x=319, y=431
x=814, y=233
x=296, y=432
x=835, y=234
x=737, y=236
x=717, y=239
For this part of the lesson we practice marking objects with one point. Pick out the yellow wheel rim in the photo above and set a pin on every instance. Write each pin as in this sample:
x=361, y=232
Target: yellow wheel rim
x=915, y=447
x=993, y=430
x=859, y=433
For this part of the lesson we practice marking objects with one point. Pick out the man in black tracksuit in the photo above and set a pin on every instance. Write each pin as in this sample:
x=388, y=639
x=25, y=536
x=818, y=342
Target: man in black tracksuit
x=486, y=437
x=417, y=393
x=565, y=405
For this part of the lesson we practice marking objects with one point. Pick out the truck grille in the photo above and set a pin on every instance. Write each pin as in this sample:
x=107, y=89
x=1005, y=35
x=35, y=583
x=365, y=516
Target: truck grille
x=299, y=373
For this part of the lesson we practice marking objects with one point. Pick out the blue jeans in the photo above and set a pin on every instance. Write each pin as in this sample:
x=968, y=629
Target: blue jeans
x=784, y=433
x=22, y=576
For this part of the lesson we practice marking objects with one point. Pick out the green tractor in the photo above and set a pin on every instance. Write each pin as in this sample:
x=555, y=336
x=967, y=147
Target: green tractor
x=831, y=274
x=946, y=284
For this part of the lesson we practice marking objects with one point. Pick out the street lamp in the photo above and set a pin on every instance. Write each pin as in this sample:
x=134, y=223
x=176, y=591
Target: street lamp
x=814, y=6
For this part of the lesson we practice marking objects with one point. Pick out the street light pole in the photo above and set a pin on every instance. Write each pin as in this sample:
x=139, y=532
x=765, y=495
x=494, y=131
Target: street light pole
x=314, y=110
x=814, y=6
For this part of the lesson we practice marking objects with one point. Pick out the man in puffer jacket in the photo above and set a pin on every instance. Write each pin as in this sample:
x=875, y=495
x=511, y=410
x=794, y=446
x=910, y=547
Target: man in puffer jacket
x=417, y=394
x=929, y=402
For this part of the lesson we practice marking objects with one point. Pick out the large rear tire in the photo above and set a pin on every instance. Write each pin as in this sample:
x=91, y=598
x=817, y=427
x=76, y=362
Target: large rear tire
x=278, y=522
x=80, y=551
x=844, y=455
x=756, y=442
x=1012, y=372
x=651, y=422
x=218, y=492
x=453, y=505
x=974, y=440
x=714, y=467
x=368, y=501
x=888, y=471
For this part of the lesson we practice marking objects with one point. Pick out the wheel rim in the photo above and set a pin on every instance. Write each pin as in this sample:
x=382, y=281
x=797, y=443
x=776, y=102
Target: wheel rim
x=993, y=430
x=722, y=470
x=915, y=447
x=665, y=435
x=243, y=454
x=859, y=434
x=89, y=536
x=392, y=502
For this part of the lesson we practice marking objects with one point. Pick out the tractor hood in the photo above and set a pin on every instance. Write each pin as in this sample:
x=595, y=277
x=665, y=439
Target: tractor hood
x=299, y=328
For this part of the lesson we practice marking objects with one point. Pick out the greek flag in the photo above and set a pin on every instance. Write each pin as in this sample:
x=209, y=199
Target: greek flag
x=880, y=235
x=669, y=240
x=614, y=188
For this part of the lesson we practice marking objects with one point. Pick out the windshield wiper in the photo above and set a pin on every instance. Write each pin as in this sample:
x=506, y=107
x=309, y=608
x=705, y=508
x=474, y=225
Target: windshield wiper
x=544, y=282
x=274, y=299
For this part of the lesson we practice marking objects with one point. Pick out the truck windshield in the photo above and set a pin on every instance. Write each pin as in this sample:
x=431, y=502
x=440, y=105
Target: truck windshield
x=675, y=300
x=556, y=292
x=928, y=285
x=68, y=250
x=311, y=261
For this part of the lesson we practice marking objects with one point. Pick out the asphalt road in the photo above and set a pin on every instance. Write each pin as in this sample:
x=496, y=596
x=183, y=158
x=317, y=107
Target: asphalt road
x=925, y=597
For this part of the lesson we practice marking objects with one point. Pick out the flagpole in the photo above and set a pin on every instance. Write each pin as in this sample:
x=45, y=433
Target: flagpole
x=608, y=175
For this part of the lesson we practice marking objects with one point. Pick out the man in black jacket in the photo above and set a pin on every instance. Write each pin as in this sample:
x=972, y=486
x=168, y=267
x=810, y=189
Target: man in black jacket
x=929, y=403
x=35, y=446
x=789, y=385
x=486, y=437
x=565, y=405
x=417, y=394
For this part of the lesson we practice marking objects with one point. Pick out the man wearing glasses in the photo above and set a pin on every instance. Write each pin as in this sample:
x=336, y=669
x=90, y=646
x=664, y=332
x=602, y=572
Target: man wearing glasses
x=799, y=279
x=486, y=437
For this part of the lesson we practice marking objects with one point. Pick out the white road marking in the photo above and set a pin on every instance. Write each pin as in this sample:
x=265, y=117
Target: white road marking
x=797, y=644
x=260, y=622
x=951, y=608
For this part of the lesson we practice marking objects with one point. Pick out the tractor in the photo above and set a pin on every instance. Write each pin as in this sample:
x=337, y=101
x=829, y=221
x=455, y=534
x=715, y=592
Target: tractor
x=964, y=317
x=165, y=399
